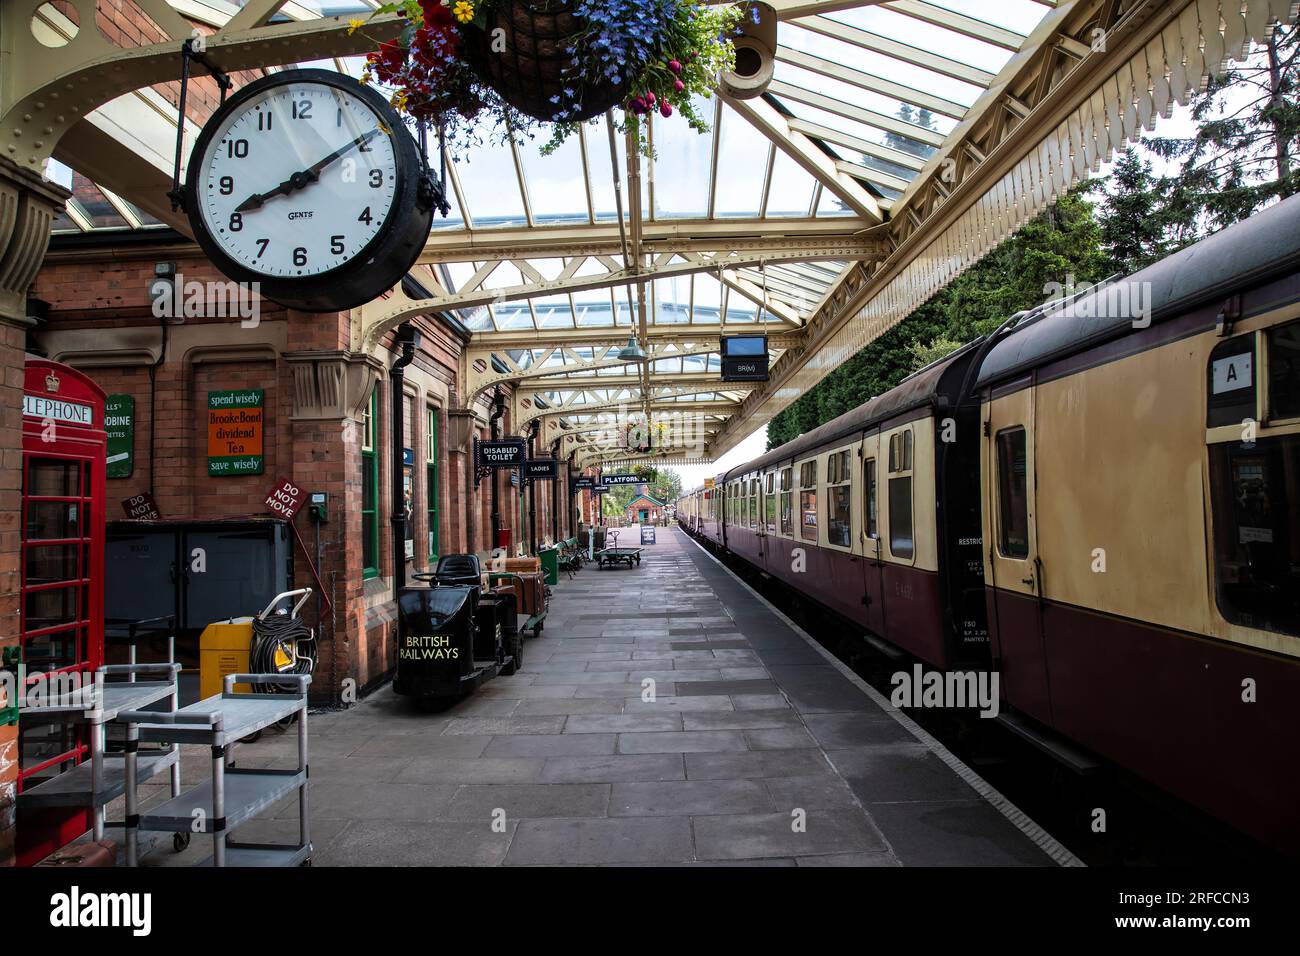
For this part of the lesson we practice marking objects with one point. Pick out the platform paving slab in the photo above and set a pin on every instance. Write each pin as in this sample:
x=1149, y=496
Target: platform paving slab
x=753, y=750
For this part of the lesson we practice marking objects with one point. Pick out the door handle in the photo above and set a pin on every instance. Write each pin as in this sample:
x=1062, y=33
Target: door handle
x=1029, y=580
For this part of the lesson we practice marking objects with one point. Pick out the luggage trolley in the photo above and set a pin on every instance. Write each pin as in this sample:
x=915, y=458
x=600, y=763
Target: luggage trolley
x=232, y=795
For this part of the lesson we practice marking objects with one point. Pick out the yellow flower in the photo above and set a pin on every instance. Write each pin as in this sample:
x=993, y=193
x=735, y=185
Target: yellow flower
x=354, y=25
x=463, y=11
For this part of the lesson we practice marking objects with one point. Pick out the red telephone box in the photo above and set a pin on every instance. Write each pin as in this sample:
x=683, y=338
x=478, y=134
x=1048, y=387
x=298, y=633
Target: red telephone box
x=61, y=623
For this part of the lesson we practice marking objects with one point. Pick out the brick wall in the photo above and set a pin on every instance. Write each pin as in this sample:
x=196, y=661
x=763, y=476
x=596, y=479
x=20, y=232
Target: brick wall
x=11, y=383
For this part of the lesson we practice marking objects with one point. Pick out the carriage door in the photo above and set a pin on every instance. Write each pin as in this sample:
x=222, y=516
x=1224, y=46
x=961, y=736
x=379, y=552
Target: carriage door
x=872, y=548
x=61, y=612
x=1013, y=572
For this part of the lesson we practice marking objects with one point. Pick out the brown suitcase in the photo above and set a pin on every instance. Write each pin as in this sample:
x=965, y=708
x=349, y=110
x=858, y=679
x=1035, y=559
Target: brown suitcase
x=97, y=853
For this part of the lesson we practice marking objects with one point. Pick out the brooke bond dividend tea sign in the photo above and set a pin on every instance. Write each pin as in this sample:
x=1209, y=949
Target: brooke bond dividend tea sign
x=235, y=432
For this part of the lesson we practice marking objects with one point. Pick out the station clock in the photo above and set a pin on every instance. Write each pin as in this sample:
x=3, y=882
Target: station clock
x=309, y=184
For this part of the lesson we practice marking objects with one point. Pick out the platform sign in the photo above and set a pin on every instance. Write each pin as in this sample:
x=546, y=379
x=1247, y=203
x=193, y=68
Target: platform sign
x=647, y=534
x=541, y=469
x=119, y=425
x=744, y=358
x=622, y=480
x=601, y=489
x=502, y=453
x=235, y=420
x=141, y=507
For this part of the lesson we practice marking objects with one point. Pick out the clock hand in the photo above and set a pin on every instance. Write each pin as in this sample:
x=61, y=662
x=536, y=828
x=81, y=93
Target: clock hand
x=343, y=150
x=300, y=180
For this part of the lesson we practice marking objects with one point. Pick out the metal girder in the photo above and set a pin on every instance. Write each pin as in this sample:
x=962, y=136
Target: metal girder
x=957, y=23
x=875, y=84
x=658, y=236
x=634, y=406
x=45, y=91
x=778, y=337
x=495, y=366
x=706, y=382
x=764, y=117
x=875, y=43
x=381, y=316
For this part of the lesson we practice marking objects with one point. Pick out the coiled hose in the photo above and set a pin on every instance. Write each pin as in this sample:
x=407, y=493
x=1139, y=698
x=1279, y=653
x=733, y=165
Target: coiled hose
x=281, y=645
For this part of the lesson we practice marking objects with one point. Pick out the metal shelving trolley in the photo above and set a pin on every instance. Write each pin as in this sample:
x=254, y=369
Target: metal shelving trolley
x=233, y=795
x=96, y=782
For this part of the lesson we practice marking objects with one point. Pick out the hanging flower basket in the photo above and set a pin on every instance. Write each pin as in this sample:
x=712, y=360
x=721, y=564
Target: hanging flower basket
x=530, y=62
x=527, y=63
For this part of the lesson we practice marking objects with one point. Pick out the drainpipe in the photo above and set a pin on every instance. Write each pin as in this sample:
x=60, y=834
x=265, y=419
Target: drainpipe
x=498, y=410
x=532, y=493
x=406, y=339
x=555, y=492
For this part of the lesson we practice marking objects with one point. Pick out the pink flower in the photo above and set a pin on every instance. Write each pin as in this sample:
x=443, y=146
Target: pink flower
x=675, y=66
x=651, y=98
x=666, y=110
x=679, y=86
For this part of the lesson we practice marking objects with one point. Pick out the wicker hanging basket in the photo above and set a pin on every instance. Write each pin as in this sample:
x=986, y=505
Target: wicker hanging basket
x=530, y=74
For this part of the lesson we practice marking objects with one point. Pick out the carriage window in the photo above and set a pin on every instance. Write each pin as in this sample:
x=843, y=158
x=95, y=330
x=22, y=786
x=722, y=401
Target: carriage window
x=808, y=501
x=769, y=504
x=1013, y=494
x=1257, y=532
x=1231, y=382
x=869, y=473
x=900, y=451
x=900, y=517
x=838, y=500
x=753, y=504
x=1284, y=371
x=787, y=502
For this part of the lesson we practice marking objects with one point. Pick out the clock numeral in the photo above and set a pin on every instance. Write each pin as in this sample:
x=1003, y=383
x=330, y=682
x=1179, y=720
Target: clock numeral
x=262, y=244
x=236, y=222
x=302, y=109
x=300, y=256
x=236, y=148
x=338, y=117
x=227, y=185
x=336, y=245
x=366, y=217
x=376, y=178
x=265, y=120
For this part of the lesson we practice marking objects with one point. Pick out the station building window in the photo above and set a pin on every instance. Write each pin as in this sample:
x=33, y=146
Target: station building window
x=1013, y=494
x=370, y=488
x=787, y=502
x=839, y=500
x=808, y=501
x=901, y=543
x=431, y=479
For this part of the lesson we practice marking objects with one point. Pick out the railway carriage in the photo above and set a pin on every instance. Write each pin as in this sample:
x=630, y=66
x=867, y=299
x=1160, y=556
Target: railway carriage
x=1101, y=501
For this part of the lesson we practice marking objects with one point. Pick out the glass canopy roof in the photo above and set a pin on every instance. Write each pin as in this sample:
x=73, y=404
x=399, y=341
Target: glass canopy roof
x=749, y=227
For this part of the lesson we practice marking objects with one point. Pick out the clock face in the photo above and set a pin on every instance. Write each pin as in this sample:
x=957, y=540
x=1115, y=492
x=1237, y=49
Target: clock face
x=298, y=180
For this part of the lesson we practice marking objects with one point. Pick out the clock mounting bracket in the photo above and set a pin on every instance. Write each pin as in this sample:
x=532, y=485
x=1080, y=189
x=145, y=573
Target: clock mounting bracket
x=191, y=51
